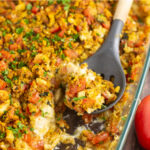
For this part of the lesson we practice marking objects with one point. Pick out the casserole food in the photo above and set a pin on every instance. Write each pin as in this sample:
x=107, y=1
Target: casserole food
x=37, y=38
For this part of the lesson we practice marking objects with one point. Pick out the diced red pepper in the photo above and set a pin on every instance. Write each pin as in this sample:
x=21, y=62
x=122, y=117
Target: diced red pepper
x=13, y=46
x=61, y=33
x=5, y=54
x=100, y=137
x=106, y=25
x=3, y=84
x=3, y=65
x=55, y=29
x=34, y=98
x=37, y=30
x=76, y=87
x=71, y=53
x=78, y=28
x=35, y=9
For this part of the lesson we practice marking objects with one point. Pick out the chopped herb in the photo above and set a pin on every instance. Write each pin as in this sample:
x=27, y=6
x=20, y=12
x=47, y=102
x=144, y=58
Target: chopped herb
x=15, y=131
x=21, y=51
x=103, y=106
x=4, y=33
x=124, y=118
x=44, y=113
x=47, y=41
x=7, y=80
x=19, y=30
x=45, y=74
x=57, y=38
x=12, y=52
x=66, y=7
x=50, y=2
x=33, y=54
x=63, y=56
x=32, y=129
x=5, y=72
x=15, y=78
x=22, y=85
x=97, y=34
x=75, y=37
x=58, y=119
x=33, y=47
x=21, y=64
x=20, y=125
x=70, y=45
x=101, y=142
x=35, y=38
x=29, y=6
x=29, y=34
x=26, y=21
x=8, y=22
x=10, y=97
x=78, y=98
x=2, y=135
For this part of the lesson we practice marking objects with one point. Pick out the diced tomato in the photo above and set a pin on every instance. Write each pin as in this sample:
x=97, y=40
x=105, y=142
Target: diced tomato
x=2, y=84
x=36, y=30
x=39, y=145
x=13, y=46
x=5, y=54
x=19, y=41
x=11, y=112
x=138, y=44
x=61, y=33
x=28, y=111
x=71, y=53
x=100, y=137
x=88, y=102
x=55, y=29
x=3, y=65
x=106, y=25
x=27, y=138
x=58, y=61
x=34, y=98
x=10, y=148
x=76, y=87
x=88, y=15
x=35, y=9
x=87, y=118
x=78, y=28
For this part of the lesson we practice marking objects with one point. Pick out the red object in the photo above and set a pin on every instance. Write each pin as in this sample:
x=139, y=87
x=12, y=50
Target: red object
x=71, y=53
x=55, y=29
x=89, y=17
x=61, y=33
x=2, y=84
x=35, y=10
x=142, y=123
x=5, y=54
x=34, y=98
x=13, y=46
x=3, y=65
x=100, y=137
x=78, y=28
x=76, y=87
x=27, y=138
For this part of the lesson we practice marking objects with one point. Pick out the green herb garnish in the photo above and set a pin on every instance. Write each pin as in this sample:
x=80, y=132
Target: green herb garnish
x=78, y=98
x=29, y=6
x=19, y=30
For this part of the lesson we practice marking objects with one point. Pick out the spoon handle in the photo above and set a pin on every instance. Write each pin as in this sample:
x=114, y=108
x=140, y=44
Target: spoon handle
x=122, y=10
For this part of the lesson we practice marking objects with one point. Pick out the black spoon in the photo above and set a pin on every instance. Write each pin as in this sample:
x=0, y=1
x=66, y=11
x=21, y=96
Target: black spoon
x=106, y=60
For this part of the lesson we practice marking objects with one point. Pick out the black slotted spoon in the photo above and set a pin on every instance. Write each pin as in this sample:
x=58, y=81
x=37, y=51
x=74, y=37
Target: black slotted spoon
x=106, y=60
